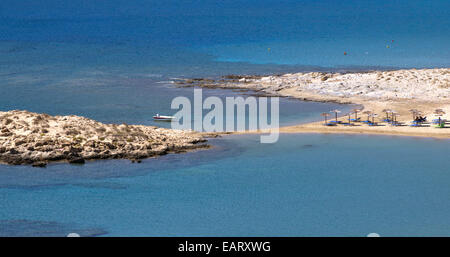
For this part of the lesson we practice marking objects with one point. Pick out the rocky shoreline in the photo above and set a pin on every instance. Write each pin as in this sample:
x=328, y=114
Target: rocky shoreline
x=37, y=139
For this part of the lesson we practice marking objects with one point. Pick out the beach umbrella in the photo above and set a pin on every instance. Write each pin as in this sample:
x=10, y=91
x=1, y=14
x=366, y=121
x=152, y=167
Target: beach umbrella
x=355, y=111
x=414, y=113
x=325, y=115
x=394, y=116
x=387, y=111
x=439, y=113
x=368, y=114
x=335, y=113
x=373, y=117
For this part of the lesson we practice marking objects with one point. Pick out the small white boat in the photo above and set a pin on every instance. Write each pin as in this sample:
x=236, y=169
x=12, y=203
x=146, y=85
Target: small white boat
x=163, y=117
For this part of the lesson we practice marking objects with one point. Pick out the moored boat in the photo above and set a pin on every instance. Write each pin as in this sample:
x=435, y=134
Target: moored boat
x=158, y=117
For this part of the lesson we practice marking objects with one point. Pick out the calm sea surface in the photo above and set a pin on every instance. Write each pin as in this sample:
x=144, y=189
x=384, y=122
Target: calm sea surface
x=113, y=62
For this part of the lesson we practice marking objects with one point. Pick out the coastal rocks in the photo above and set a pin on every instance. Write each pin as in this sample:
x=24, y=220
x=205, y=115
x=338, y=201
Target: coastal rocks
x=39, y=164
x=36, y=139
x=76, y=160
x=417, y=84
x=224, y=81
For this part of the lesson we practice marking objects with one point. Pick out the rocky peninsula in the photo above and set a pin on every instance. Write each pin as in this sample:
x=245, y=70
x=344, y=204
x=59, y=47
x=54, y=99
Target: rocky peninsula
x=423, y=90
x=36, y=139
x=411, y=84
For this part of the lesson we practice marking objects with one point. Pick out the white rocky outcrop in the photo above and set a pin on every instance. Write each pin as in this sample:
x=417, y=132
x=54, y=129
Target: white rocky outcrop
x=418, y=84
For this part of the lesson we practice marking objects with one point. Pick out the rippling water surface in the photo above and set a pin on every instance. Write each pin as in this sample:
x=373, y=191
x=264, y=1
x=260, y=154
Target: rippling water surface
x=113, y=62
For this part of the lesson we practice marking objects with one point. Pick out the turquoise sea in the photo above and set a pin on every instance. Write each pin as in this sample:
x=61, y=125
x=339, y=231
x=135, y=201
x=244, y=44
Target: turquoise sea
x=112, y=60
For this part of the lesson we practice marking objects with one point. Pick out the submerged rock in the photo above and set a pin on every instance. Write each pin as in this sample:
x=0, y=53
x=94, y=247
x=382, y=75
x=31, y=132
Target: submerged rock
x=78, y=160
x=39, y=164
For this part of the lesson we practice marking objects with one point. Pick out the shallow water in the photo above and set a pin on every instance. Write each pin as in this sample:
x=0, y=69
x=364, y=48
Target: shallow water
x=113, y=62
x=304, y=185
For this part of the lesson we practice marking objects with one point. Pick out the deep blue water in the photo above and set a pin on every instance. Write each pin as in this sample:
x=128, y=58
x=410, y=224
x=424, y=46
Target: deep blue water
x=111, y=60
x=304, y=32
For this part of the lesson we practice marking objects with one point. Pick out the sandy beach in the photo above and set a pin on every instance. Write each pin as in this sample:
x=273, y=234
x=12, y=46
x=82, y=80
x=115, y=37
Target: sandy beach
x=400, y=91
x=401, y=106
